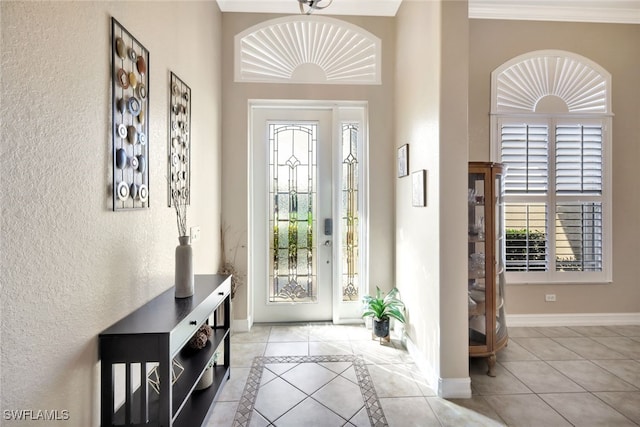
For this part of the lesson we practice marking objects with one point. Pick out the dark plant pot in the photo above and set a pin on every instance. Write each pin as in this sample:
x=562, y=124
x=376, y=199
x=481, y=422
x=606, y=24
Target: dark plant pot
x=381, y=327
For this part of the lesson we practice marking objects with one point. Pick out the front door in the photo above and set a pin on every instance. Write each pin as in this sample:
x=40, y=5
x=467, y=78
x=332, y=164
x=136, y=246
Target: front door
x=300, y=216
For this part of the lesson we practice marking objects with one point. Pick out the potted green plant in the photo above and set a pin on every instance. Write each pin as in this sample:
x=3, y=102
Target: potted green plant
x=381, y=309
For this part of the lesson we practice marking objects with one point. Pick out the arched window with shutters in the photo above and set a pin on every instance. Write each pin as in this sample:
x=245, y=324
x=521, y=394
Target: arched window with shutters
x=551, y=127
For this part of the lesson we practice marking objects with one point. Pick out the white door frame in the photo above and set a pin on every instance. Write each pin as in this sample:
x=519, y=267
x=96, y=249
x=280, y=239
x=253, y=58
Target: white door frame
x=342, y=111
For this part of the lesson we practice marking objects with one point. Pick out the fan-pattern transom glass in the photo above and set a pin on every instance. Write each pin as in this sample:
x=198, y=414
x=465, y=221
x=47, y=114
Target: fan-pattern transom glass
x=349, y=213
x=292, y=191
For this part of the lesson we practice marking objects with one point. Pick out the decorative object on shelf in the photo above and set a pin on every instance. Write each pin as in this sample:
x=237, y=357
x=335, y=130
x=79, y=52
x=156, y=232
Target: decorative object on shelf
x=179, y=141
x=130, y=119
x=403, y=161
x=478, y=228
x=382, y=309
x=184, y=268
x=154, y=377
x=199, y=340
x=309, y=6
x=476, y=265
x=227, y=265
x=206, y=379
x=184, y=253
x=419, y=185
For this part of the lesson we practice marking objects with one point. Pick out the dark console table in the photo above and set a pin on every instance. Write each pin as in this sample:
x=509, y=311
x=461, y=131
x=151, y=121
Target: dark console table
x=147, y=350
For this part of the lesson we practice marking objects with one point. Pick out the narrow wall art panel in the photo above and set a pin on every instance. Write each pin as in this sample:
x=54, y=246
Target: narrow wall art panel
x=130, y=116
x=179, y=165
x=419, y=188
x=403, y=161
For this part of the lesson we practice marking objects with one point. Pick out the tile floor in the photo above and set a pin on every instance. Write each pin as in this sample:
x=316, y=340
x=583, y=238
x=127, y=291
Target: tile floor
x=560, y=376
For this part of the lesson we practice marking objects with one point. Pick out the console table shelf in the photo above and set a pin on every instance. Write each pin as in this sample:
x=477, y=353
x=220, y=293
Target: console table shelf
x=149, y=341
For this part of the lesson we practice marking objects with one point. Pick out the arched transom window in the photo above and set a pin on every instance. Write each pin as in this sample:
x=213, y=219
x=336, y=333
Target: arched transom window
x=307, y=49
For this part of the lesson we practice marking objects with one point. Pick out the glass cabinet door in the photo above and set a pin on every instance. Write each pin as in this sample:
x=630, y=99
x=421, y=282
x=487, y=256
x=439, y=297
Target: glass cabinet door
x=501, y=326
x=477, y=259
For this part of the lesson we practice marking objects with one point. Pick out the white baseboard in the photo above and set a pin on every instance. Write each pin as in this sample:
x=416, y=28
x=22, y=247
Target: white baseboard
x=241, y=325
x=450, y=388
x=573, y=319
x=454, y=388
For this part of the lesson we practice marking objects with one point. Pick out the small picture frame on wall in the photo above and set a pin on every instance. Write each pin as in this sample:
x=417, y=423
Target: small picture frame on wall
x=403, y=161
x=419, y=188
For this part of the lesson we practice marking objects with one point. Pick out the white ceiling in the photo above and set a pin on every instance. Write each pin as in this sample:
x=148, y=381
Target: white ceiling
x=614, y=11
x=338, y=7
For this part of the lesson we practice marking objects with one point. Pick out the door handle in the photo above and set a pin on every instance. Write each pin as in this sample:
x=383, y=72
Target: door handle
x=327, y=242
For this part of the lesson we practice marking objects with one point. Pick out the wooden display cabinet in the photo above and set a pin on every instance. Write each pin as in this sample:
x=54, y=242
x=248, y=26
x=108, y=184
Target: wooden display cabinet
x=487, y=322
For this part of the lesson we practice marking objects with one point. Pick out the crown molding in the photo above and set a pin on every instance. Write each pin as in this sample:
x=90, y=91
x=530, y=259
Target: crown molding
x=601, y=11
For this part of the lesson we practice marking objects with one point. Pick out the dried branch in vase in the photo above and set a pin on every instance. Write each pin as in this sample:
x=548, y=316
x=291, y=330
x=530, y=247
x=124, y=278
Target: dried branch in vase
x=227, y=266
x=180, y=205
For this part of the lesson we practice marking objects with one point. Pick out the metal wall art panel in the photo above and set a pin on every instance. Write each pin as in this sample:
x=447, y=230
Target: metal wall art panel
x=179, y=164
x=130, y=115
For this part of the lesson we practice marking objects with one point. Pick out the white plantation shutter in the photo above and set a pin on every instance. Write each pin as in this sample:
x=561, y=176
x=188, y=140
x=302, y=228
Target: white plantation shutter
x=553, y=195
x=525, y=151
x=578, y=228
x=579, y=237
x=579, y=159
x=526, y=248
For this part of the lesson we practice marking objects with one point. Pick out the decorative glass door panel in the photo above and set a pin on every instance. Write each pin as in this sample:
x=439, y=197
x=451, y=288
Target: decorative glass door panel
x=292, y=178
x=349, y=214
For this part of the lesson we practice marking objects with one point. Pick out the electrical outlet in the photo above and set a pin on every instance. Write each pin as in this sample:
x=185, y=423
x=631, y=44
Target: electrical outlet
x=195, y=233
x=550, y=297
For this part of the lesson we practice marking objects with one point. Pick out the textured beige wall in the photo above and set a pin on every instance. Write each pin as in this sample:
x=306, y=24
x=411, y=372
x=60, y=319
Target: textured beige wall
x=617, y=49
x=431, y=116
x=381, y=152
x=70, y=266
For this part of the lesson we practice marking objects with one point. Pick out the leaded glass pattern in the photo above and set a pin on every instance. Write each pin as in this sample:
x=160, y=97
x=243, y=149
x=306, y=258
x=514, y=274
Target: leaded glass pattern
x=349, y=213
x=292, y=191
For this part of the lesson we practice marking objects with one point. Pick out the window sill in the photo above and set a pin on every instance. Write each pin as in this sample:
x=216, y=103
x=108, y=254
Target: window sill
x=548, y=279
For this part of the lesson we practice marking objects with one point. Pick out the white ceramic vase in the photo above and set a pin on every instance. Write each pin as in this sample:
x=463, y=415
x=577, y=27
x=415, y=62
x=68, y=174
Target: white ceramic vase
x=206, y=380
x=184, y=268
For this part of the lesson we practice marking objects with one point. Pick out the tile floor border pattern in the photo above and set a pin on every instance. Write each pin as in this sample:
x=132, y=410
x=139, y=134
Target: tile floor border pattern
x=369, y=395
